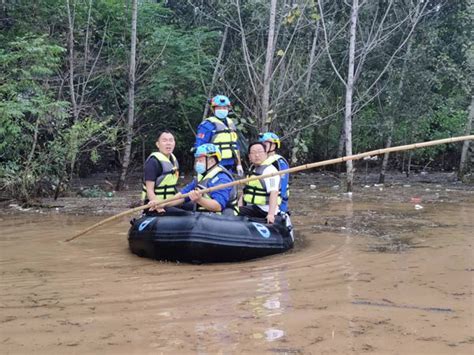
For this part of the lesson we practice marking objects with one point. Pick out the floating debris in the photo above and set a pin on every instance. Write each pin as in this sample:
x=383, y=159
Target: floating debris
x=392, y=304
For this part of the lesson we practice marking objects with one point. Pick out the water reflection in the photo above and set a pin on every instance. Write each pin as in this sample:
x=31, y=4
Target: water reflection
x=272, y=299
x=273, y=334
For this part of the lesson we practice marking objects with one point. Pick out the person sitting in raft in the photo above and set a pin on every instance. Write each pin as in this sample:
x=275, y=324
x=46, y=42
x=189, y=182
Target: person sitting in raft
x=261, y=197
x=210, y=174
x=272, y=143
x=161, y=170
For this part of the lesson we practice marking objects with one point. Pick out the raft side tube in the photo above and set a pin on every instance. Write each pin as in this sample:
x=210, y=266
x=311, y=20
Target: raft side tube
x=206, y=237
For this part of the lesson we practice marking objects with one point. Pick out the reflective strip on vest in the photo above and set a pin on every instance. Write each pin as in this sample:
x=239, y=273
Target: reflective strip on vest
x=225, y=137
x=255, y=192
x=165, y=184
x=275, y=160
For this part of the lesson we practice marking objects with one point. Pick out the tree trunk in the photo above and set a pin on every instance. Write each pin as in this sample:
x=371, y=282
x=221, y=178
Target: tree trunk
x=311, y=58
x=386, y=155
x=465, y=147
x=131, y=99
x=216, y=71
x=408, y=172
x=33, y=146
x=349, y=92
x=391, y=113
x=70, y=44
x=411, y=135
x=340, y=146
x=72, y=92
x=268, y=68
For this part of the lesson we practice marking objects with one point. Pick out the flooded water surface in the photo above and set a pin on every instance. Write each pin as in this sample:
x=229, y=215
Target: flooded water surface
x=379, y=272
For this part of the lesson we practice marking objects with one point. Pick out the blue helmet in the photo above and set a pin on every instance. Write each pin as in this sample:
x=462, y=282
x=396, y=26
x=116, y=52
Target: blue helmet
x=220, y=100
x=208, y=150
x=269, y=137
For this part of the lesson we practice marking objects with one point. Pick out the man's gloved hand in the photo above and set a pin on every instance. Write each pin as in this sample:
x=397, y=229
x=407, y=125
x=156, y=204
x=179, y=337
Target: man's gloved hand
x=240, y=171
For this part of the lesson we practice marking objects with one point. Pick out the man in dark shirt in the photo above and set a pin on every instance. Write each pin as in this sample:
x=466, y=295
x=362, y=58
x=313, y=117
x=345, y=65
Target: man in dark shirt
x=161, y=170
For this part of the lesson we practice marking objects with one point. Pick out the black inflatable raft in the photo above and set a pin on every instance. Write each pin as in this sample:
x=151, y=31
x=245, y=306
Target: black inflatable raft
x=200, y=237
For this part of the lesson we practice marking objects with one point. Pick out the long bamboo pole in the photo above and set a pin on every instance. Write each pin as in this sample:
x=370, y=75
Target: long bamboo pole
x=282, y=172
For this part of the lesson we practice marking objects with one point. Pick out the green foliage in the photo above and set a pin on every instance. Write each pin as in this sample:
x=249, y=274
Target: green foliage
x=423, y=95
x=171, y=94
x=28, y=110
x=36, y=139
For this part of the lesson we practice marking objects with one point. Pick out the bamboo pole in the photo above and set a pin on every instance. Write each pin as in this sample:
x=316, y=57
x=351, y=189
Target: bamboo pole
x=282, y=172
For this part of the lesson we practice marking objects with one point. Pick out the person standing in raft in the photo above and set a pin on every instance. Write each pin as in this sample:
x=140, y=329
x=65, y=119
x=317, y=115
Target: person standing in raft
x=261, y=197
x=221, y=131
x=272, y=143
x=210, y=174
x=161, y=171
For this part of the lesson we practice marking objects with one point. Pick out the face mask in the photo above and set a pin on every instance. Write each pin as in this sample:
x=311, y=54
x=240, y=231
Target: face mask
x=200, y=168
x=220, y=113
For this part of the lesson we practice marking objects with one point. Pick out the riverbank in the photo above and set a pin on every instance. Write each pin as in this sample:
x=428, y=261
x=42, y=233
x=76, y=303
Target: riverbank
x=95, y=195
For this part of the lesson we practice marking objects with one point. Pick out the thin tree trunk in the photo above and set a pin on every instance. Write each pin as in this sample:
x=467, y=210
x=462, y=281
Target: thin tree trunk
x=391, y=112
x=268, y=67
x=33, y=146
x=465, y=146
x=24, y=181
x=86, y=44
x=411, y=135
x=326, y=150
x=57, y=190
x=403, y=162
x=131, y=99
x=249, y=67
x=409, y=164
x=70, y=43
x=216, y=71
x=143, y=151
x=349, y=92
x=311, y=58
x=340, y=146
x=386, y=155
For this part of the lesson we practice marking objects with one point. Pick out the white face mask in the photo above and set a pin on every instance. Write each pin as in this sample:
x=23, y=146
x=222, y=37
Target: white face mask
x=221, y=113
x=200, y=168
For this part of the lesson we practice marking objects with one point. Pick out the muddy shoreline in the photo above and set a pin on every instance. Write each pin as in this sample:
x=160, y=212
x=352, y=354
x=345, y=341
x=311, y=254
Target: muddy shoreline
x=95, y=195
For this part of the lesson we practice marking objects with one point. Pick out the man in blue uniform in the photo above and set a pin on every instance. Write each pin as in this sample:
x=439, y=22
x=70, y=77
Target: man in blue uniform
x=221, y=131
x=210, y=174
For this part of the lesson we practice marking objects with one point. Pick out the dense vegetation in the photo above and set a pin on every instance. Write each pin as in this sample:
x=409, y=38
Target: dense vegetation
x=289, y=66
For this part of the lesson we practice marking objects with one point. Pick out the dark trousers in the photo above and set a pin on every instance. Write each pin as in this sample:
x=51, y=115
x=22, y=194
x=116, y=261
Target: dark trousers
x=188, y=206
x=255, y=213
x=252, y=211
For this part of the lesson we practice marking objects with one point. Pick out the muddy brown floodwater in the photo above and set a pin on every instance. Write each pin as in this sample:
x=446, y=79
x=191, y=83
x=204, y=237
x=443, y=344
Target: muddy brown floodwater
x=389, y=270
